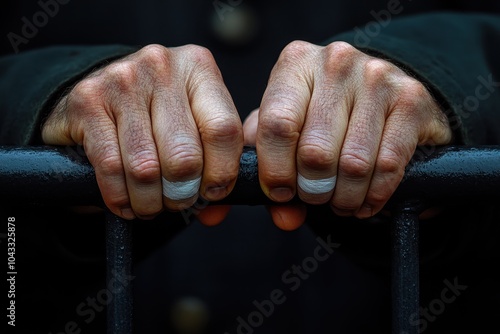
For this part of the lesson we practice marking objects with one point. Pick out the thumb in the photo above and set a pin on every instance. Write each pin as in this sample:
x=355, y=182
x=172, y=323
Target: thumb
x=250, y=128
x=55, y=129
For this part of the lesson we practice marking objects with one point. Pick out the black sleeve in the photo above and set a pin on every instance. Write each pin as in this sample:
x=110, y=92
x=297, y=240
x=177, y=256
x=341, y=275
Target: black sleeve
x=31, y=82
x=455, y=55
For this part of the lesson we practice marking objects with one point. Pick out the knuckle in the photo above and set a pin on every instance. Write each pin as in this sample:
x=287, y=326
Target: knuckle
x=85, y=93
x=279, y=124
x=199, y=55
x=117, y=201
x=378, y=197
x=294, y=51
x=222, y=129
x=109, y=164
x=122, y=76
x=145, y=169
x=278, y=176
x=376, y=72
x=339, y=58
x=345, y=204
x=390, y=165
x=319, y=157
x=154, y=57
x=413, y=94
x=355, y=165
x=184, y=161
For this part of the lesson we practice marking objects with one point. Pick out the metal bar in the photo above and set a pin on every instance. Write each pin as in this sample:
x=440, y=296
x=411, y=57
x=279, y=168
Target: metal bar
x=119, y=274
x=45, y=175
x=62, y=175
x=405, y=268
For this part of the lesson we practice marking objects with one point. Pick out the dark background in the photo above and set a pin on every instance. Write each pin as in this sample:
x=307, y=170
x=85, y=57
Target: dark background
x=229, y=266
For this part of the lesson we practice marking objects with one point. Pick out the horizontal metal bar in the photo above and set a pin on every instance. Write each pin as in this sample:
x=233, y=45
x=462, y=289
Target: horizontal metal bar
x=63, y=175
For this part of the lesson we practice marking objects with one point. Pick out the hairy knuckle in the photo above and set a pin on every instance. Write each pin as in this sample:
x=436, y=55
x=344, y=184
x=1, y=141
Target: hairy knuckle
x=355, y=165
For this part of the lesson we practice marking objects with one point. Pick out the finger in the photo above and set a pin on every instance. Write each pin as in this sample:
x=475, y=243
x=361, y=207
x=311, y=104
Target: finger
x=103, y=151
x=282, y=114
x=250, y=126
x=361, y=144
x=400, y=139
x=179, y=146
x=140, y=158
x=213, y=215
x=288, y=217
x=322, y=136
x=219, y=127
x=396, y=148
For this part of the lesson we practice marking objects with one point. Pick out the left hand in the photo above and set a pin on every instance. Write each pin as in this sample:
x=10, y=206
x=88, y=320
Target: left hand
x=339, y=126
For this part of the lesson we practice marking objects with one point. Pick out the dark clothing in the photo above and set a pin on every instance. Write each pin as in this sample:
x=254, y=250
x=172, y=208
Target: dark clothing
x=243, y=259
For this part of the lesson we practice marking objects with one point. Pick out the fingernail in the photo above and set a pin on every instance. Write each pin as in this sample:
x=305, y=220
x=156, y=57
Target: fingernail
x=281, y=194
x=342, y=213
x=365, y=211
x=127, y=213
x=215, y=193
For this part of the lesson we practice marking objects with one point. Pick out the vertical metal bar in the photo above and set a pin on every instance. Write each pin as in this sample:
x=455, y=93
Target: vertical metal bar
x=405, y=269
x=118, y=273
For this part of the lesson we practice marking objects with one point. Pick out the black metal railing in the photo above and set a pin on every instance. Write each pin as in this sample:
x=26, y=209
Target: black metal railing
x=38, y=175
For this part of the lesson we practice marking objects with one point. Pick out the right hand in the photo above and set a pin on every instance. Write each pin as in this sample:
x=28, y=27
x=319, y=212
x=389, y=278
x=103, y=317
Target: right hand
x=157, y=112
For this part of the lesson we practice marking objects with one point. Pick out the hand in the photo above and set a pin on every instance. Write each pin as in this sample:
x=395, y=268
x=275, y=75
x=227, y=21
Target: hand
x=338, y=126
x=159, y=112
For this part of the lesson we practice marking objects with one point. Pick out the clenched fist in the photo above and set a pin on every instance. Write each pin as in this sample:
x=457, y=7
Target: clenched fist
x=338, y=126
x=159, y=127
